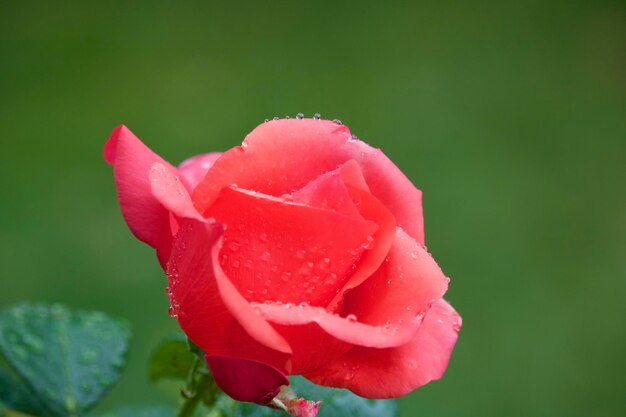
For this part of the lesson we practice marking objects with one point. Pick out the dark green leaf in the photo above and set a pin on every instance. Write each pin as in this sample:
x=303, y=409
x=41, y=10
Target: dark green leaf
x=16, y=395
x=335, y=403
x=68, y=359
x=171, y=359
x=141, y=411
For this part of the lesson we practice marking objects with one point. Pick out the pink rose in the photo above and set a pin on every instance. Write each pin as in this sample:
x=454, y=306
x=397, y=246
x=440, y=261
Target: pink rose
x=299, y=252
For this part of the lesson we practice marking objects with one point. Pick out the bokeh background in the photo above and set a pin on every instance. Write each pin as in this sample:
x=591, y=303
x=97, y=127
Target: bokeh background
x=510, y=116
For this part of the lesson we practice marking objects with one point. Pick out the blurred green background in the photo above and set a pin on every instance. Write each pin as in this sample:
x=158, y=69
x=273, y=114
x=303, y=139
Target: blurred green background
x=510, y=116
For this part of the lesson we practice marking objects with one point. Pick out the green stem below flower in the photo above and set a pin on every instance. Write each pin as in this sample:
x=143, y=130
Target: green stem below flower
x=205, y=388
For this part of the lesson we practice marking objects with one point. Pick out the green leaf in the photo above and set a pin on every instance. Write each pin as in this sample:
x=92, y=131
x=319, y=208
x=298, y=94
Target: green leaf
x=172, y=359
x=141, y=411
x=67, y=359
x=335, y=403
x=16, y=395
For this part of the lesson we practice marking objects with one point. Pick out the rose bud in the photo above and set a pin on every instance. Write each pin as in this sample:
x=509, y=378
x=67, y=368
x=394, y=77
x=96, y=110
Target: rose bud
x=300, y=252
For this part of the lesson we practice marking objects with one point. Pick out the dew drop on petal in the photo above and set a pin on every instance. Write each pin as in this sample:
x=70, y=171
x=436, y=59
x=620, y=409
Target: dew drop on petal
x=369, y=243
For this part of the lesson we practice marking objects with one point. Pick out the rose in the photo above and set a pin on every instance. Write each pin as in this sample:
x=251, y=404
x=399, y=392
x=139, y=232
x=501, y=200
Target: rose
x=299, y=252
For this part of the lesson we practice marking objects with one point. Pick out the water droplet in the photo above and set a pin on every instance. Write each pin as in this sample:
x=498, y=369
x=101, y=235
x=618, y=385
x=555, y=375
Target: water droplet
x=265, y=256
x=355, y=367
x=323, y=264
x=337, y=121
x=233, y=245
x=299, y=116
x=317, y=116
x=249, y=263
x=88, y=356
x=266, y=120
x=351, y=317
x=301, y=254
x=275, y=118
x=19, y=352
x=236, y=263
x=34, y=344
x=349, y=376
x=171, y=312
x=368, y=244
x=287, y=117
x=285, y=276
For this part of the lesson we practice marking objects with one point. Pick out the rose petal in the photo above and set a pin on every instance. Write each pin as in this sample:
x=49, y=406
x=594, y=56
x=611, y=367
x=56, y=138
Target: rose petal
x=147, y=219
x=194, y=169
x=346, y=329
x=379, y=246
x=344, y=190
x=329, y=191
x=276, y=158
x=198, y=301
x=306, y=328
x=169, y=190
x=245, y=380
x=282, y=156
x=394, y=190
x=277, y=250
x=402, y=289
x=394, y=372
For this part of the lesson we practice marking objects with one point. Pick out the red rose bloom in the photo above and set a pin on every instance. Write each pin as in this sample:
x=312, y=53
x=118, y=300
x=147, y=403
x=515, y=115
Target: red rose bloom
x=299, y=252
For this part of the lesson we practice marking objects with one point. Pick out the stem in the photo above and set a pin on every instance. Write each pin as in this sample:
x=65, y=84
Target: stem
x=189, y=405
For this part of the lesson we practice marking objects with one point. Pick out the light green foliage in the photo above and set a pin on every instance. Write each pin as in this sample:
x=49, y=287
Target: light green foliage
x=172, y=359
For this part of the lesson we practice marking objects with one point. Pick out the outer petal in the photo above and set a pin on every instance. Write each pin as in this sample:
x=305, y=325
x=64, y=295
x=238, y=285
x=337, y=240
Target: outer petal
x=281, y=251
x=282, y=156
x=401, y=290
x=392, y=188
x=194, y=169
x=245, y=380
x=169, y=190
x=146, y=217
x=306, y=328
x=389, y=373
x=198, y=301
